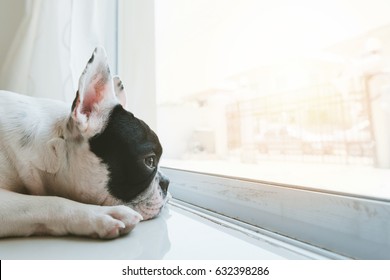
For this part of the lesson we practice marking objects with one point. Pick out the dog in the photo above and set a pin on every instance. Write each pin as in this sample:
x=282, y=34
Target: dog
x=89, y=169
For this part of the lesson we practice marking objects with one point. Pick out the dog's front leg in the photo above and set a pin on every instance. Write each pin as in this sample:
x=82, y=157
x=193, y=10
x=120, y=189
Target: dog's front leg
x=25, y=215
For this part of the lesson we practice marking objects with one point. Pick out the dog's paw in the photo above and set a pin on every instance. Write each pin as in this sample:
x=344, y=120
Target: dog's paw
x=112, y=221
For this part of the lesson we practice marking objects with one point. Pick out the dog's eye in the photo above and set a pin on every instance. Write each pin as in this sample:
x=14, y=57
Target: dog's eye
x=151, y=162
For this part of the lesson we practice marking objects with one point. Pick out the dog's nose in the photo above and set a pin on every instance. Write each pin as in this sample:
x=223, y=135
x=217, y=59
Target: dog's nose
x=164, y=183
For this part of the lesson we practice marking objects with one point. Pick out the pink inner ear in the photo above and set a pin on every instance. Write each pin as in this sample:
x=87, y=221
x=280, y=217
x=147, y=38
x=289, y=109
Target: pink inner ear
x=93, y=96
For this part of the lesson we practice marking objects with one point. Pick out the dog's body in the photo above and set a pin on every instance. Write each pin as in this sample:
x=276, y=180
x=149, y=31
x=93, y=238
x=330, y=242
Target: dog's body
x=87, y=170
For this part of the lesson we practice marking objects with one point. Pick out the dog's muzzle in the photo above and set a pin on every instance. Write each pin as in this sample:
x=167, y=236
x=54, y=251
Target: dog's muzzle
x=150, y=203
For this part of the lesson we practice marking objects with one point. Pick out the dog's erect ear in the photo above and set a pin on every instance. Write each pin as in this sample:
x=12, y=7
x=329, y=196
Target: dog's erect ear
x=95, y=96
x=120, y=91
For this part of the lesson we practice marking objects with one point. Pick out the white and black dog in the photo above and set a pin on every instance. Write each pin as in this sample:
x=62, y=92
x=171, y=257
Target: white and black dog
x=89, y=169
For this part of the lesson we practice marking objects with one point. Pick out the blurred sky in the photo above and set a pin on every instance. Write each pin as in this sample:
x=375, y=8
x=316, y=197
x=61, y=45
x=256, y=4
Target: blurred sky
x=199, y=43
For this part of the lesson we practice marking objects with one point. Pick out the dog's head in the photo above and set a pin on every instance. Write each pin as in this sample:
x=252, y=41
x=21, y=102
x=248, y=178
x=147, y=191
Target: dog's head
x=124, y=144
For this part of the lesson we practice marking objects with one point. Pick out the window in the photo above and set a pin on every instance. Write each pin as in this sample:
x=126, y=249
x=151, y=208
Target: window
x=265, y=89
x=272, y=113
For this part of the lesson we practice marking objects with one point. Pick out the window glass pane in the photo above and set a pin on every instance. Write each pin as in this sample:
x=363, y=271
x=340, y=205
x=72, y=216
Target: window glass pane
x=295, y=92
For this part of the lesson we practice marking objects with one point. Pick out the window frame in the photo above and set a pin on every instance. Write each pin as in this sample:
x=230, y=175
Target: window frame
x=352, y=226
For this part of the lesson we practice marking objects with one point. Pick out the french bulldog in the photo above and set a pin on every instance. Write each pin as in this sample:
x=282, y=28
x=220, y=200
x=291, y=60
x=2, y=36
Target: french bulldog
x=89, y=169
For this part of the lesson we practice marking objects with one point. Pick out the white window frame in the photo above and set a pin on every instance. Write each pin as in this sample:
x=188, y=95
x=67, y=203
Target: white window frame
x=351, y=226
x=355, y=227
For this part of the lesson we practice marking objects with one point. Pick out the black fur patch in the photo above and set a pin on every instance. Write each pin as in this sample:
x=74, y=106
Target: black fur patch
x=91, y=59
x=123, y=146
x=120, y=85
x=75, y=100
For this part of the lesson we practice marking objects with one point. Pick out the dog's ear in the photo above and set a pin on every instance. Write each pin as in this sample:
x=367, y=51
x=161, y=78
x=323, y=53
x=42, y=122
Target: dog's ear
x=120, y=91
x=95, y=96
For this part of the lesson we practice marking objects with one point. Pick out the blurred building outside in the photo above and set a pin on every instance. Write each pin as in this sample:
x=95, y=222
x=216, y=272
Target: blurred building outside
x=328, y=107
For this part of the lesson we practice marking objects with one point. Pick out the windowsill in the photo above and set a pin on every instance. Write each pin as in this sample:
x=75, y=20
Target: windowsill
x=359, y=181
x=179, y=233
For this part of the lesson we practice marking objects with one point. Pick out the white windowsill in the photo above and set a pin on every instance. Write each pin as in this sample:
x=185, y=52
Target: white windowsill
x=178, y=233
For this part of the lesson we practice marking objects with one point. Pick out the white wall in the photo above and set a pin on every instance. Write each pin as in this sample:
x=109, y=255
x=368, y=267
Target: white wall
x=11, y=14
